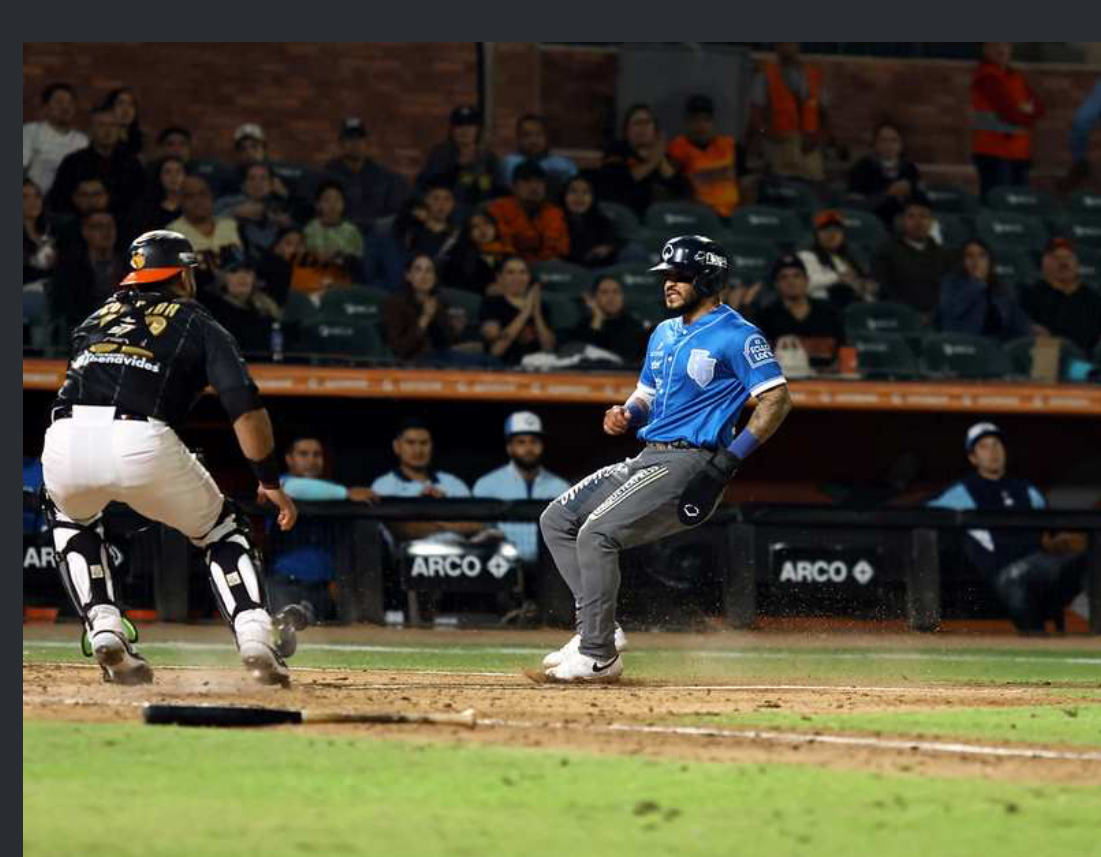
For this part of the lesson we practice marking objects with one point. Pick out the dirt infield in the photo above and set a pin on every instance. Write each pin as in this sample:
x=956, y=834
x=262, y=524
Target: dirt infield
x=636, y=717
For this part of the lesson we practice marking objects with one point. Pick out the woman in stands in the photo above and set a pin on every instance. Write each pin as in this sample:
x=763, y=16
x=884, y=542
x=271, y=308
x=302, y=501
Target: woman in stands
x=514, y=323
x=594, y=241
x=635, y=171
x=162, y=203
x=972, y=300
x=833, y=273
x=474, y=262
x=39, y=253
x=125, y=107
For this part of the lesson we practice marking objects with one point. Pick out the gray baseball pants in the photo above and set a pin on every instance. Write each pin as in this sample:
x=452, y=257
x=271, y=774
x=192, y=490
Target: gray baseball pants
x=617, y=507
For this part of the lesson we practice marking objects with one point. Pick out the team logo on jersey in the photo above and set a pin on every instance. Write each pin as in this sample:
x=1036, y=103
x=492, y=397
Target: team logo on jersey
x=137, y=260
x=701, y=366
x=757, y=351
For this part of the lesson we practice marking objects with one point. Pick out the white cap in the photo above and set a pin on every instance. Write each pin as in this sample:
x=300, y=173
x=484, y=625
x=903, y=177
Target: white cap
x=977, y=432
x=523, y=422
x=249, y=129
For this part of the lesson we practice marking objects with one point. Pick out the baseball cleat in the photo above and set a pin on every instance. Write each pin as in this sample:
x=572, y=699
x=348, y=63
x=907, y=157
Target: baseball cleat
x=285, y=626
x=264, y=664
x=558, y=656
x=582, y=669
x=120, y=662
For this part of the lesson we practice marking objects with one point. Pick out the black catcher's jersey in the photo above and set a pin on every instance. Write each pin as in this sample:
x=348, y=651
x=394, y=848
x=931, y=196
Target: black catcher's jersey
x=153, y=353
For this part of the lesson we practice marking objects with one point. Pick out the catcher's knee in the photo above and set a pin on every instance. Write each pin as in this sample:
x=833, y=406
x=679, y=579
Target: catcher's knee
x=234, y=562
x=84, y=561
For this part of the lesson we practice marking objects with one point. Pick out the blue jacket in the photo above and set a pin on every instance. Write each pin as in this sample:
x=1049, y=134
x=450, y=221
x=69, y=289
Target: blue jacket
x=963, y=308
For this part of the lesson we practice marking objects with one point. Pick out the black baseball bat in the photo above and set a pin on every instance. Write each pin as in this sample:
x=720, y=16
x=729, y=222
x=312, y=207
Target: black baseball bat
x=234, y=715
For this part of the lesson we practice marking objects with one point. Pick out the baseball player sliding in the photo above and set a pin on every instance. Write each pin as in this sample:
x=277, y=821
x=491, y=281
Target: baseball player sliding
x=701, y=367
x=139, y=364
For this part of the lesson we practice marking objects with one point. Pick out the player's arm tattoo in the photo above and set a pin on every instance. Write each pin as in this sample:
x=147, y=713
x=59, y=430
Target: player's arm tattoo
x=772, y=407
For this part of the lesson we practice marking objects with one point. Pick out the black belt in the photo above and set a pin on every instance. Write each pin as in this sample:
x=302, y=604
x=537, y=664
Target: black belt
x=676, y=444
x=65, y=412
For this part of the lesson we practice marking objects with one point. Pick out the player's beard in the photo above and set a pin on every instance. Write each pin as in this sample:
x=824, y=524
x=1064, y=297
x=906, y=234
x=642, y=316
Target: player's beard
x=528, y=463
x=693, y=300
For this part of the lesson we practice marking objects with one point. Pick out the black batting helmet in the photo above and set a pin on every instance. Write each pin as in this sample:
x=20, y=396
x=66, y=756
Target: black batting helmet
x=159, y=255
x=701, y=261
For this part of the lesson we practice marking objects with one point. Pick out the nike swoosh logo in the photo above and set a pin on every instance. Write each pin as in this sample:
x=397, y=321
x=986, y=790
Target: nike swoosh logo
x=597, y=668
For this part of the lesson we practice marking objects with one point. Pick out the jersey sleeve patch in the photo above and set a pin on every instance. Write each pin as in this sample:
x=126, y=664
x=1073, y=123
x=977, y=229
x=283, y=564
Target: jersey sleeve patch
x=757, y=351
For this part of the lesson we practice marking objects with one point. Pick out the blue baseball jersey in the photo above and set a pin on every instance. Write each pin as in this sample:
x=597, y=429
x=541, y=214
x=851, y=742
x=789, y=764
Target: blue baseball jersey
x=698, y=377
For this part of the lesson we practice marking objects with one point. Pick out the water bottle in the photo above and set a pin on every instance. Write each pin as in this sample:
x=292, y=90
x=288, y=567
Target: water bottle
x=276, y=342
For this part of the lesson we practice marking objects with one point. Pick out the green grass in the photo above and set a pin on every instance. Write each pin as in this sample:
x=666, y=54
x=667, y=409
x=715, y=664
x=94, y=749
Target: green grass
x=1055, y=724
x=122, y=789
x=826, y=665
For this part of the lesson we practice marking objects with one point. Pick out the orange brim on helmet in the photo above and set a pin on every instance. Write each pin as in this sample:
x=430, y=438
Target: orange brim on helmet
x=150, y=275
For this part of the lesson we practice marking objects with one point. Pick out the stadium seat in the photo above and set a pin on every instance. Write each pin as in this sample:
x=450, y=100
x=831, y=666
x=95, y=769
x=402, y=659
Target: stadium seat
x=1014, y=267
x=361, y=303
x=1083, y=230
x=1022, y=200
x=1017, y=231
x=558, y=276
x=881, y=317
x=470, y=301
x=779, y=192
x=1089, y=264
x=633, y=276
x=647, y=306
x=961, y=356
x=750, y=261
x=219, y=176
x=763, y=223
x=863, y=227
x=564, y=311
x=299, y=178
x=681, y=218
x=1019, y=352
x=883, y=355
x=626, y=221
x=351, y=338
x=1087, y=202
x=951, y=198
x=955, y=229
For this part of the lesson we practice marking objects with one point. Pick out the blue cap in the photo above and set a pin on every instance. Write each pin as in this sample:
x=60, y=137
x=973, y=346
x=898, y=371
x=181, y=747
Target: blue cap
x=523, y=422
x=978, y=431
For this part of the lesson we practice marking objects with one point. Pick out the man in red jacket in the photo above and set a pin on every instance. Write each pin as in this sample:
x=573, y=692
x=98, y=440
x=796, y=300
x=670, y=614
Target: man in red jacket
x=1004, y=110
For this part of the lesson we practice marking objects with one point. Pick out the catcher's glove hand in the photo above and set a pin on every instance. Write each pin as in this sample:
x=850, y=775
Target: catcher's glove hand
x=705, y=489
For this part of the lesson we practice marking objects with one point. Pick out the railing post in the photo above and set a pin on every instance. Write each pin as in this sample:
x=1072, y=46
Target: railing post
x=1093, y=581
x=556, y=606
x=359, y=573
x=923, y=580
x=740, y=575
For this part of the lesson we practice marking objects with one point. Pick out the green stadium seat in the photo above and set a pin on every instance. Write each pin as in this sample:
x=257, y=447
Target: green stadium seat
x=1022, y=200
x=883, y=355
x=957, y=355
x=470, y=301
x=647, y=306
x=955, y=229
x=298, y=308
x=559, y=276
x=299, y=179
x=564, y=311
x=1087, y=202
x=1083, y=230
x=1089, y=264
x=750, y=261
x=779, y=192
x=626, y=221
x=359, y=303
x=682, y=218
x=881, y=317
x=1019, y=352
x=1014, y=267
x=951, y=198
x=862, y=227
x=350, y=338
x=634, y=277
x=763, y=223
x=1003, y=229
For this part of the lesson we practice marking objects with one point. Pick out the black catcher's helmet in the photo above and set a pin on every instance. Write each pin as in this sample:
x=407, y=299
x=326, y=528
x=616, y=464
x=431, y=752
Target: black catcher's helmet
x=701, y=261
x=159, y=255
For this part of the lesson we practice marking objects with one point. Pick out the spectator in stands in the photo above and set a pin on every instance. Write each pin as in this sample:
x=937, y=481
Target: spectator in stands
x=477, y=255
x=532, y=145
x=1004, y=111
x=462, y=162
x=163, y=201
x=788, y=110
x=534, y=227
x=514, y=322
x=416, y=318
x=260, y=212
x=276, y=267
x=304, y=559
x=175, y=142
x=883, y=181
x=103, y=158
x=610, y=325
x=1086, y=118
x=87, y=273
x=523, y=478
x=909, y=267
x=330, y=235
x=833, y=274
x=594, y=241
x=48, y=142
x=636, y=170
x=124, y=106
x=1033, y=573
x=972, y=300
x=211, y=236
x=90, y=195
x=242, y=308
x=371, y=191
x=437, y=230
x=39, y=246
x=707, y=158
x=815, y=323
x=1060, y=304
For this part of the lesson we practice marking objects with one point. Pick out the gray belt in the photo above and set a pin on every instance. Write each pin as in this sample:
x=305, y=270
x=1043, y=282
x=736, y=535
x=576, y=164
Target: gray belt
x=676, y=444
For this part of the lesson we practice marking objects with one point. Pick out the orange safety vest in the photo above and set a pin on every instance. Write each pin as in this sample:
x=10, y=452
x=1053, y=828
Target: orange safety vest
x=990, y=133
x=711, y=171
x=788, y=114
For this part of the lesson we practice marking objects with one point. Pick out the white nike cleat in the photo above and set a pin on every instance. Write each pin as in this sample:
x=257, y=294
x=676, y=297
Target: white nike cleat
x=581, y=669
x=120, y=662
x=556, y=657
x=256, y=644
